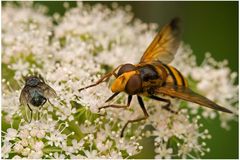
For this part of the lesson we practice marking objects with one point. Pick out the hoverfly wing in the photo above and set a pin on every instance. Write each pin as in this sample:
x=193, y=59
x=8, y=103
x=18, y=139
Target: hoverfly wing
x=189, y=95
x=164, y=46
x=47, y=90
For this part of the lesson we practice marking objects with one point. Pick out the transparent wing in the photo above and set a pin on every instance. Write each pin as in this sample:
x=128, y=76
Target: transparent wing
x=47, y=90
x=165, y=44
x=23, y=96
x=188, y=95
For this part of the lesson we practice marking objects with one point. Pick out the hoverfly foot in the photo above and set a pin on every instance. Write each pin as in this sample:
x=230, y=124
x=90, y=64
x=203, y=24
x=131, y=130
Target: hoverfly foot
x=79, y=90
x=174, y=112
x=169, y=109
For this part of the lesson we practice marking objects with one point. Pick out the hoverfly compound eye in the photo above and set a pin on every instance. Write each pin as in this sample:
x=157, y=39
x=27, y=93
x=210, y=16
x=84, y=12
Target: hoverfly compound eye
x=126, y=68
x=134, y=84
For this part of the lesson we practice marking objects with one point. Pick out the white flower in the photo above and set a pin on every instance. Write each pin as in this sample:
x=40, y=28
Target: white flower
x=163, y=152
x=11, y=134
x=24, y=134
x=38, y=146
x=55, y=138
x=18, y=147
x=17, y=157
x=35, y=155
x=77, y=145
x=6, y=149
x=91, y=154
x=26, y=151
x=116, y=155
x=56, y=155
x=40, y=134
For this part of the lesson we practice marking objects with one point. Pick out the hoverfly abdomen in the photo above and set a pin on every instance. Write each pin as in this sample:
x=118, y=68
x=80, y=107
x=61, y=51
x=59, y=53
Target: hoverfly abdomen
x=175, y=77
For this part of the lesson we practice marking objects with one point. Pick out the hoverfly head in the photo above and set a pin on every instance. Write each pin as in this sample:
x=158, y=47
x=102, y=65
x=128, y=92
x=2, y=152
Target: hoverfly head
x=128, y=80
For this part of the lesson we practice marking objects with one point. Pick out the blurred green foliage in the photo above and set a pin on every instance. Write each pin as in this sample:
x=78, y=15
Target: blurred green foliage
x=207, y=27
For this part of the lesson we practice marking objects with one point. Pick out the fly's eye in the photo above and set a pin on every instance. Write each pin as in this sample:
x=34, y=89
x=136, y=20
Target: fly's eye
x=134, y=85
x=33, y=81
x=126, y=68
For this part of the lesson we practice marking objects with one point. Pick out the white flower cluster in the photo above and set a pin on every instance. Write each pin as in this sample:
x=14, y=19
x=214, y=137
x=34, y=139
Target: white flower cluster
x=85, y=43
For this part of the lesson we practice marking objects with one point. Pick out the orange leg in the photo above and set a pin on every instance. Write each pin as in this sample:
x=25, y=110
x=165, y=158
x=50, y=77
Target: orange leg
x=117, y=106
x=104, y=78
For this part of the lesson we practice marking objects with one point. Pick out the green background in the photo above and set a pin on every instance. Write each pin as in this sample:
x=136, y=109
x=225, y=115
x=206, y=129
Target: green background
x=207, y=27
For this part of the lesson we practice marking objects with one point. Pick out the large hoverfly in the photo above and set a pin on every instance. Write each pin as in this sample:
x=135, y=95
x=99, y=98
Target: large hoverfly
x=35, y=93
x=154, y=76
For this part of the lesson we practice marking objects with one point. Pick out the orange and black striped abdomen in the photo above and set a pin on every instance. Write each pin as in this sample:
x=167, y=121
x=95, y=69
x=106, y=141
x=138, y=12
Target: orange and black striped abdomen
x=174, y=76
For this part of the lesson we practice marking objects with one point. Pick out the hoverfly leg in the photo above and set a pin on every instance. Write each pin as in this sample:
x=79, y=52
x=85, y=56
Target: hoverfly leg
x=167, y=106
x=30, y=113
x=117, y=106
x=104, y=78
x=140, y=101
x=110, y=98
x=97, y=83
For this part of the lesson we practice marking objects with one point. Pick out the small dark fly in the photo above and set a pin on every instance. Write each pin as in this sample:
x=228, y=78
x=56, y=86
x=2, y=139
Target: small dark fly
x=35, y=93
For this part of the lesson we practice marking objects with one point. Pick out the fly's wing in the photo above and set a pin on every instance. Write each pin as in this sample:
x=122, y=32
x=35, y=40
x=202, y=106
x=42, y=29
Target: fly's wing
x=47, y=90
x=24, y=96
x=188, y=95
x=164, y=46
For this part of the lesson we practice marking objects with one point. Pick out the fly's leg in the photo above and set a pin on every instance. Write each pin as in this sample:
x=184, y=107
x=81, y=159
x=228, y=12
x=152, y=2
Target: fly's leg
x=39, y=112
x=30, y=113
x=49, y=102
x=140, y=101
x=167, y=106
x=40, y=109
x=115, y=105
x=104, y=78
x=40, y=76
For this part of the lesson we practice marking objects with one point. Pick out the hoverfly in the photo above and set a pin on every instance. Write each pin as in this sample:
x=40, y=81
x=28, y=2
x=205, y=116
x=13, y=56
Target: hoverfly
x=154, y=76
x=35, y=93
